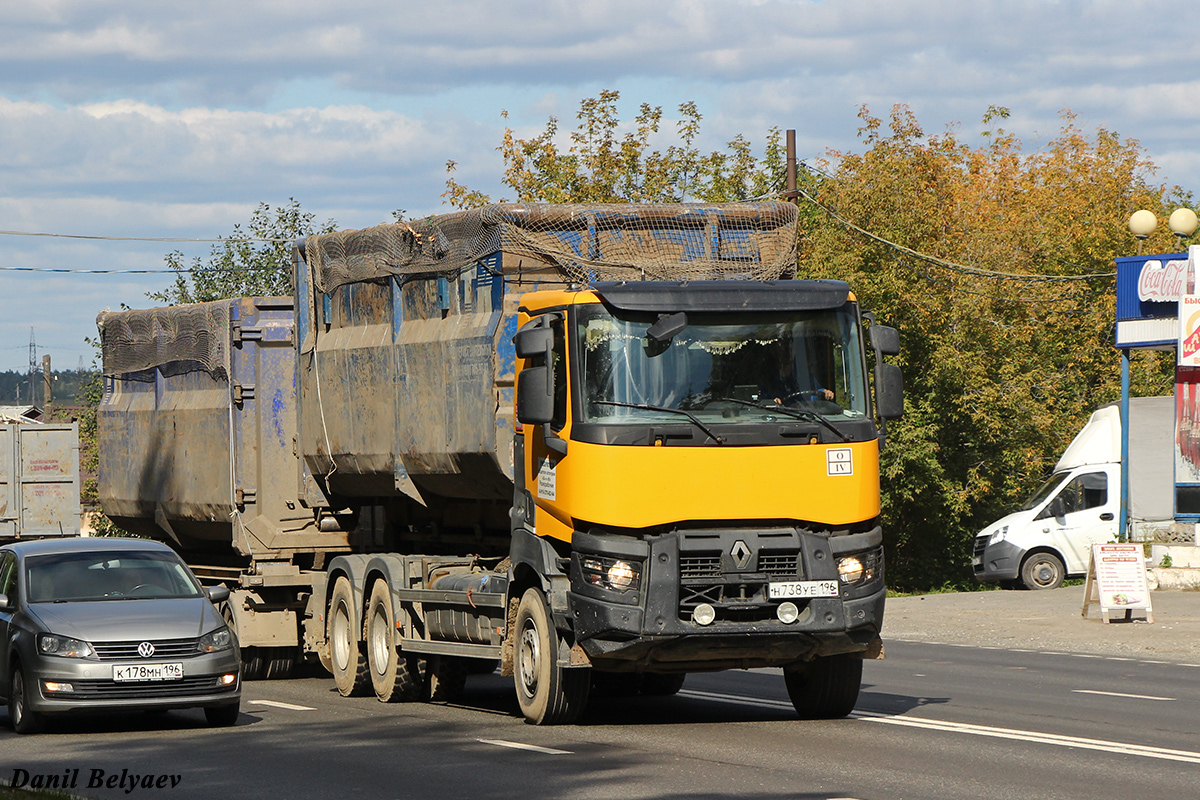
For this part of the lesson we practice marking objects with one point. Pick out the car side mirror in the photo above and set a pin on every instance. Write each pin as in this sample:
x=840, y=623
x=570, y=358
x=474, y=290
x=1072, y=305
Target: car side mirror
x=217, y=594
x=4, y=604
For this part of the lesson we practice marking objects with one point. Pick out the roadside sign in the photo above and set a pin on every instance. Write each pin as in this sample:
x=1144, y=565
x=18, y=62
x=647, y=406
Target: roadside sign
x=1116, y=581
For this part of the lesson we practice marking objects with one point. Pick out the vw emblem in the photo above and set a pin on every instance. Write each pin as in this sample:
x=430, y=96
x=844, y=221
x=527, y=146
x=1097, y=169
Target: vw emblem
x=145, y=649
x=741, y=553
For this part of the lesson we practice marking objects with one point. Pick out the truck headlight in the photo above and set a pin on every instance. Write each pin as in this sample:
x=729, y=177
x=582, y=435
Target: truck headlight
x=220, y=639
x=611, y=573
x=860, y=568
x=998, y=535
x=51, y=644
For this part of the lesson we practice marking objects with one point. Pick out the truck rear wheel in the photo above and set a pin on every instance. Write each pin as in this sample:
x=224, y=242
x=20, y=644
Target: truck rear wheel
x=1043, y=571
x=826, y=687
x=447, y=678
x=394, y=676
x=547, y=693
x=349, y=666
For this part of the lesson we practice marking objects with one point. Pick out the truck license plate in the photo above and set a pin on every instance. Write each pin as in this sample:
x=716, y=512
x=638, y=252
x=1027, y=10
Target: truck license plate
x=802, y=589
x=123, y=673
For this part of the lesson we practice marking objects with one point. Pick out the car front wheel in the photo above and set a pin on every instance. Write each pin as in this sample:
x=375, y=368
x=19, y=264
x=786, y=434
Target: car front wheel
x=24, y=719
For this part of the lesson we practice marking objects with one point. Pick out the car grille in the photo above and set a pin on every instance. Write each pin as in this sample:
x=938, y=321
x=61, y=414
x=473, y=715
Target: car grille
x=163, y=648
x=111, y=690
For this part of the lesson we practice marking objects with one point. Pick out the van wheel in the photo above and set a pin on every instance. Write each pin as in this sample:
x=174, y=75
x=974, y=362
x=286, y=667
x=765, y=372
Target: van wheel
x=1043, y=571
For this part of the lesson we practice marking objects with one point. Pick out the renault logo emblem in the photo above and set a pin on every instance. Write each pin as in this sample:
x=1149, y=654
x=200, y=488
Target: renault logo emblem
x=145, y=649
x=741, y=553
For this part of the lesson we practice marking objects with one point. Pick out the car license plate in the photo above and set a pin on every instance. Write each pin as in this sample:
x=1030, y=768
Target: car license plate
x=802, y=589
x=147, y=672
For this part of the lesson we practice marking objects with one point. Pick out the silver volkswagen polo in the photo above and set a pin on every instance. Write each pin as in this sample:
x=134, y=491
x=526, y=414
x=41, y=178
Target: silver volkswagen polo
x=102, y=624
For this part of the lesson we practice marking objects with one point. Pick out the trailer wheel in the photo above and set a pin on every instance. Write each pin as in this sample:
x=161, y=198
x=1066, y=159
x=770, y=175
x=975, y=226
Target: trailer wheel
x=826, y=687
x=447, y=678
x=547, y=693
x=394, y=676
x=349, y=666
x=1043, y=571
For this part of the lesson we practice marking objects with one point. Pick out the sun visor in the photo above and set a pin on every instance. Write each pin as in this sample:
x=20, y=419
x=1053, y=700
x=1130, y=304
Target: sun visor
x=723, y=296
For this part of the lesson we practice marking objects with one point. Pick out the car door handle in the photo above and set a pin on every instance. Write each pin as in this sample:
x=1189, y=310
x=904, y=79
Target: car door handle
x=1106, y=516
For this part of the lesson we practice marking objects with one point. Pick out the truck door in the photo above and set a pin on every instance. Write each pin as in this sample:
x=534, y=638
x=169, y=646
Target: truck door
x=1087, y=517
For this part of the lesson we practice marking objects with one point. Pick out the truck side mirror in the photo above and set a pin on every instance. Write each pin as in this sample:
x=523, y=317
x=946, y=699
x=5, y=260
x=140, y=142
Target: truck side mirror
x=889, y=391
x=532, y=342
x=535, y=399
x=885, y=340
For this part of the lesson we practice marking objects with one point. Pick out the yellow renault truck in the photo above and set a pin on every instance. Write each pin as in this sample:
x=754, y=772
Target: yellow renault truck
x=595, y=445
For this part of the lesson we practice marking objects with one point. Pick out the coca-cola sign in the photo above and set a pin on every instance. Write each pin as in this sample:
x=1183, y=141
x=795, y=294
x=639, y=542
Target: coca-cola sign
x=1161, y=282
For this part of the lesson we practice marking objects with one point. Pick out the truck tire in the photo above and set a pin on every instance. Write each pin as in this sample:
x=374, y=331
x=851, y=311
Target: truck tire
x=23, y=718
x=547, y=693
x=1043, y=571
x=394, y=676
x=662, y=684
x=826, y=687
x=447, y=678
x=349, y=665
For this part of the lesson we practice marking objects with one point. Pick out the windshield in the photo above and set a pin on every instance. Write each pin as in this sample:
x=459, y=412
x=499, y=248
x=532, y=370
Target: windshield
x=720, y=367
x=1048, y=488
x=107, y=576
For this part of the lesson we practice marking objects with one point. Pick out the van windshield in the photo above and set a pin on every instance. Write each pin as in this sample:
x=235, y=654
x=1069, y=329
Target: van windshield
x=1048, y=488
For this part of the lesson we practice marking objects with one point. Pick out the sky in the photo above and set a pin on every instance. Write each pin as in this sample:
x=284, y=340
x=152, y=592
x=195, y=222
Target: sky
x=147, y=119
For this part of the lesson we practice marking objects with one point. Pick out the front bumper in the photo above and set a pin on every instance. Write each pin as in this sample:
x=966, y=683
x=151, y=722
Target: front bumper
x=652, y=627
x=1000, y=561
x=93, y=687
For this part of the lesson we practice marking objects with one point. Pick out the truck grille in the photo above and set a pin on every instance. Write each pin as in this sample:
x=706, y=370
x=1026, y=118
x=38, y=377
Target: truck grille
x=708, y=565
x=704, y=565
x=163, y=648
x=741, y=597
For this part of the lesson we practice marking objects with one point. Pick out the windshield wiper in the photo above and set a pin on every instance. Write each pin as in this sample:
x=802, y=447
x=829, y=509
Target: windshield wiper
x=795, y=413
x=680, y=411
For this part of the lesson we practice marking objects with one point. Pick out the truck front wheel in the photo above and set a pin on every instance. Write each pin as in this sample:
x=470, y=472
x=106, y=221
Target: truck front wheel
x=1043, y=571
x=547, y=693
x=826, y=687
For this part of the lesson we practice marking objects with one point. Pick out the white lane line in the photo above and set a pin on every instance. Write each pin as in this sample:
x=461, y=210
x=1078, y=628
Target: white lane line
x=1145, y=751
x=277, y=704
x=1122, y=694
x=550, y=751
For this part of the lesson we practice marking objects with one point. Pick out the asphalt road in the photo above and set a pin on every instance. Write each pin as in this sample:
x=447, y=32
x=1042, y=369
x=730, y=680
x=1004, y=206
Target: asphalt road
x=935, y=720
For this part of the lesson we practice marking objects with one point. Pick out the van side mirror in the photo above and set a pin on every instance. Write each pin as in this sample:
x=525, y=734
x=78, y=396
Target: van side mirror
x=1057, y=507
x=885, y=340
x=889, y=391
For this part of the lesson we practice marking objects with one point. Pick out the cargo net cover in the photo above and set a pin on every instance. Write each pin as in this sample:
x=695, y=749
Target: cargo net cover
x=176, y=339
x=585, y=243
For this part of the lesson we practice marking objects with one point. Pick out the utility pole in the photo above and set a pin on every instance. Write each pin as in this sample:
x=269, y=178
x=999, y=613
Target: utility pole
x=47, y=386
x=33, y=364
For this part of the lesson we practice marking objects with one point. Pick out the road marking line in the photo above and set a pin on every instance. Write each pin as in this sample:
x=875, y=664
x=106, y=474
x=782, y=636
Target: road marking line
x=1145, y=751
x=277, y=704
x=1122, y=694
x=550, y=751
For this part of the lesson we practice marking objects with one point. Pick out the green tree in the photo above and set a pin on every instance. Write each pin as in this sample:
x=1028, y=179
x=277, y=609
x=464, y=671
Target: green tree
x=604, y=165
x=255, y=260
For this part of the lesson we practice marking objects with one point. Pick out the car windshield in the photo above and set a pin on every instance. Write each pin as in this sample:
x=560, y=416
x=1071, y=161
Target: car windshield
x=720, y=366
x=107, y=576
x=1052, y=483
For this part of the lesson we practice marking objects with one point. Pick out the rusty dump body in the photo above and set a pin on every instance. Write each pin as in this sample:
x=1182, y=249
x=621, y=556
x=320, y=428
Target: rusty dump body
x=39, y=480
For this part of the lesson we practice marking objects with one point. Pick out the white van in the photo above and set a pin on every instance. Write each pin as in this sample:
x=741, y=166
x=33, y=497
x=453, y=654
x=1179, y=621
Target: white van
x=1050, y=537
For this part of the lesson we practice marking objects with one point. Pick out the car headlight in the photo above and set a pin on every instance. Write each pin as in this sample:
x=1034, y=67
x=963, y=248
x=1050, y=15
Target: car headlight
x=51, y=644
x=860, y=568
x=220, y=639
x=998, y=535
x=611, y=573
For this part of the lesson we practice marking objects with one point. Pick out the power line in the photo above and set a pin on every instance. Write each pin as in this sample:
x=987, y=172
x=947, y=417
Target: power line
x=143, y=238
x=950, y=265
x=187, y=270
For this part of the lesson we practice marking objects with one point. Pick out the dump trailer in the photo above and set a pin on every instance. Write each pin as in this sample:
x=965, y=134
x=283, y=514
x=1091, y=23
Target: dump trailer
x=590, y=443
x=39, y=480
